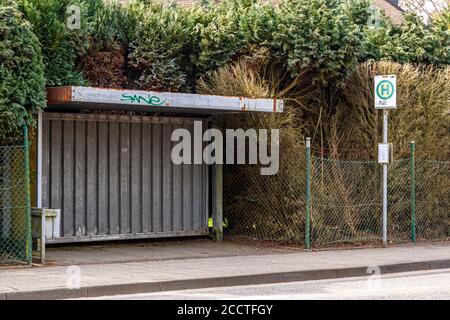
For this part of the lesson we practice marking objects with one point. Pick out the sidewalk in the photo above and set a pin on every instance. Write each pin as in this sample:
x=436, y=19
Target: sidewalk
x=101, y=279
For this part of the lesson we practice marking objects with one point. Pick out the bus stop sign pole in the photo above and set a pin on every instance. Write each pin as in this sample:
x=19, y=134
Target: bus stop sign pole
x=385, y=99
x=385, y=176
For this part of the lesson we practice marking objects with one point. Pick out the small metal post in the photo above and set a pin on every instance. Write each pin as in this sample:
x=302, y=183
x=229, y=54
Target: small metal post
x=218, y=215
x=39, y=161
x=43, y=235
x=308, y=193
x=26, y=161
x=385, y=178
x=413, y=193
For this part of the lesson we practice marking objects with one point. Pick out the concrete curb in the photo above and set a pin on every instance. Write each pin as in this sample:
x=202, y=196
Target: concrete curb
x=267, y=278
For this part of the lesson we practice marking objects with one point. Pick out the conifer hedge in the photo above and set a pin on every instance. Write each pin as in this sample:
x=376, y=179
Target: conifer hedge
x=145, y=44
x=22, y=84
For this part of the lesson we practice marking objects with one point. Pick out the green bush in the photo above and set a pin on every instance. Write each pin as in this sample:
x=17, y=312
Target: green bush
x=148, y=45
x=318, y=36
x=412, y=42
x=363, y=13
x=22, y=90
x=112, y=22
x=220, y=32
x=441, y=27
x=61, y=46
x=110, y=26
x=161, y=47
x=311, y=40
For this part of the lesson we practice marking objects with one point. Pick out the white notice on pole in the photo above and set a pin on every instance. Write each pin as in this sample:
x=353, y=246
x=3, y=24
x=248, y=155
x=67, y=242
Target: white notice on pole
x=383, y=153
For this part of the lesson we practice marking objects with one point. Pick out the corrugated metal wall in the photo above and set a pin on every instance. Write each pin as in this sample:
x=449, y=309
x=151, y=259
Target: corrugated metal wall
x=113, y=178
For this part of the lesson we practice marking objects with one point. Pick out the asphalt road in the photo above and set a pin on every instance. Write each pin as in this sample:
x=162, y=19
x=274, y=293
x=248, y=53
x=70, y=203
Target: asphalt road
x=411, y=285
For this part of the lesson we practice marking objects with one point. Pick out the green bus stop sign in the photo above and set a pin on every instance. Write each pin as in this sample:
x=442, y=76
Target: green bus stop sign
x=385, y=92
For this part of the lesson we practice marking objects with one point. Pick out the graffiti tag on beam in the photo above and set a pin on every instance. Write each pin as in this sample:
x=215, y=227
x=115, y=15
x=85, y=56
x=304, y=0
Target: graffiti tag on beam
x=150, y=100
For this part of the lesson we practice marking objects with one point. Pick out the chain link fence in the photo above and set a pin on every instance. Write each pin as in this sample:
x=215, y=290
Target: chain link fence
x=432, y=200
x=15, y=220
x=399, y=201
x=267, y=207
x=345, y=201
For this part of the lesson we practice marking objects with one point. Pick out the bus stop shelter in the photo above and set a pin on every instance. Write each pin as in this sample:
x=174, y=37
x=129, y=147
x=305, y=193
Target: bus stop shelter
x=104, y=160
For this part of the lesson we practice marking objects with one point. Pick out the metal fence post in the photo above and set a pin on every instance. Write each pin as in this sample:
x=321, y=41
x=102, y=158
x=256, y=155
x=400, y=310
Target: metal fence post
x=26, y=162
x=308, y=193
x=218, y=214
x=413, y=193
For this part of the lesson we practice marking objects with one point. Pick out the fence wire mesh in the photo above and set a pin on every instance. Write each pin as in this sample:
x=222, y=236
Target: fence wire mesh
x=14, y=223
x=432, y=183
x=399, y=200
x=266, y=207
x=346, y=201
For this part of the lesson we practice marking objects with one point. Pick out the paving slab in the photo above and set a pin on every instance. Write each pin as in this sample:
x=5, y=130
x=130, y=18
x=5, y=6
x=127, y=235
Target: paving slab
x=157, y=251
x=173, y=274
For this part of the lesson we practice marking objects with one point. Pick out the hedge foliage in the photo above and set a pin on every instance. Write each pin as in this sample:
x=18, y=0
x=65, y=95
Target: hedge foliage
x=161, y=49
x=105, y=62
x=61, y=46
x=413, y=41
x=21, y=71
x=143, y=44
